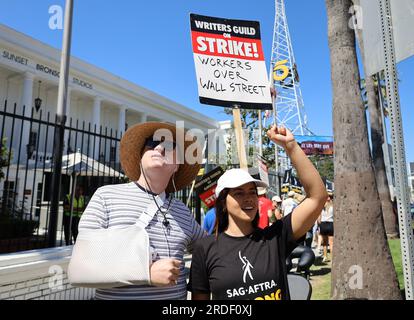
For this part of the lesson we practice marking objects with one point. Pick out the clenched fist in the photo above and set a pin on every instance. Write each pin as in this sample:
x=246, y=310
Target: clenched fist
x=165, y=272
x=282, y=137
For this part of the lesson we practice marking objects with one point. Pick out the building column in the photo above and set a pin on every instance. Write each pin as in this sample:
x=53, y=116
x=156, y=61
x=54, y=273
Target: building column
x=121, y=120
x=144, y=117
x=27, y=96
x=96, y=114
x=96, y=122
x=27, y=101
x=121, y=131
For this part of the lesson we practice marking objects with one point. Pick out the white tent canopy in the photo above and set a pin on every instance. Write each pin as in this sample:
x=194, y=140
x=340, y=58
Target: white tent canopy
x=77, y=164
x=81, y=165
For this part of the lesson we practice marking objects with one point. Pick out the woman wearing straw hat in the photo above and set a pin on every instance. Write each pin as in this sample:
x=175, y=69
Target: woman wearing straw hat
x=150, y=157
x=242, y=261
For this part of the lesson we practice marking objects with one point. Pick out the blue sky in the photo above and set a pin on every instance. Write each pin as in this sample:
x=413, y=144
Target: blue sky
x=148, y=43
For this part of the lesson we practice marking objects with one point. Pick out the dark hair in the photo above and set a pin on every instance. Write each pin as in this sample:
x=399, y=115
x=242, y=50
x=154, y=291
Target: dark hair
x=222, y=216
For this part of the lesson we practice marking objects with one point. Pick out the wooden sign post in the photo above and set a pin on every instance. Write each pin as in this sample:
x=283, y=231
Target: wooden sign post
x=238, y=130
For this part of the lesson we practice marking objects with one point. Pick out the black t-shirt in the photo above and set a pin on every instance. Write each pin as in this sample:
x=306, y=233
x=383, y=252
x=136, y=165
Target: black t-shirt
x=250, y=267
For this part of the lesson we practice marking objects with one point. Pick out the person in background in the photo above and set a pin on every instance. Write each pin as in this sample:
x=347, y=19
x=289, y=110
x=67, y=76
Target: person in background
x=209, y=221
x=326, y=229
x=289, y=203
x=265, y=208
x=71, y=224
x=277, y=211
x=315, y=234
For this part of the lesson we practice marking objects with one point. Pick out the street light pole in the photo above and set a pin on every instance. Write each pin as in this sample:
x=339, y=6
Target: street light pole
x=60, y=123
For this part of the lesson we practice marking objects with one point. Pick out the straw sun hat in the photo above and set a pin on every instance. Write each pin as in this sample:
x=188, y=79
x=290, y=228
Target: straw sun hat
x=132, y=144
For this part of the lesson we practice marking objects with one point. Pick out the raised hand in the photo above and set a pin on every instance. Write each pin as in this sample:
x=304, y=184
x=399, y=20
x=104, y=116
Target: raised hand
x=282, y=137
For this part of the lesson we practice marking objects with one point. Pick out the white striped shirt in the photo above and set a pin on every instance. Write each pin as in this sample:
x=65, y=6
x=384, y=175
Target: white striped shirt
x=120, y=205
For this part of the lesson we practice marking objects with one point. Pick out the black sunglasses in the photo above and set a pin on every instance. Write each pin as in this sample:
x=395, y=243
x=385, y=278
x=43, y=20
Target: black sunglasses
x=167, y=145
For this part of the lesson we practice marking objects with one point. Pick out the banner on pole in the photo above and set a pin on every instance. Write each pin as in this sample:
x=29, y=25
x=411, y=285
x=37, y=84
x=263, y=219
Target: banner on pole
x=316, y=145
x=229, y=63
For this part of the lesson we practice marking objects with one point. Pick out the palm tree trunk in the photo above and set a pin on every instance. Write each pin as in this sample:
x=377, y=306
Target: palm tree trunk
x=377, y=140
x=362, y=267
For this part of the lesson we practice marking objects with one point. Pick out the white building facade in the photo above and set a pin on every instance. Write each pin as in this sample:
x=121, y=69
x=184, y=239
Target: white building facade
x=95, y=95
x=29, y=69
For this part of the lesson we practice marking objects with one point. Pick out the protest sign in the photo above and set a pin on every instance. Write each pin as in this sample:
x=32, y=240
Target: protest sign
x=206, y=186
x=229, y=63
x=263, y=171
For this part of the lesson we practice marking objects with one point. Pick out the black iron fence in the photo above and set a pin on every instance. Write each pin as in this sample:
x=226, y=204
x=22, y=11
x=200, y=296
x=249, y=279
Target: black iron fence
x=26, y=153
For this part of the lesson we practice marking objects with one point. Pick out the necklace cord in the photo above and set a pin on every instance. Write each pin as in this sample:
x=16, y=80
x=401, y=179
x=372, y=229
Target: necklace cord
x=165, y=221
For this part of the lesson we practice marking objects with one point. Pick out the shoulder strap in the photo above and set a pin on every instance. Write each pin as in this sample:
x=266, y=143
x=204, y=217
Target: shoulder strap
x=148, y=214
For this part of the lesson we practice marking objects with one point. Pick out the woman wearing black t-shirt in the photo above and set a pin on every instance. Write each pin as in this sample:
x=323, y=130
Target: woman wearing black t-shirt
x=241, y=261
